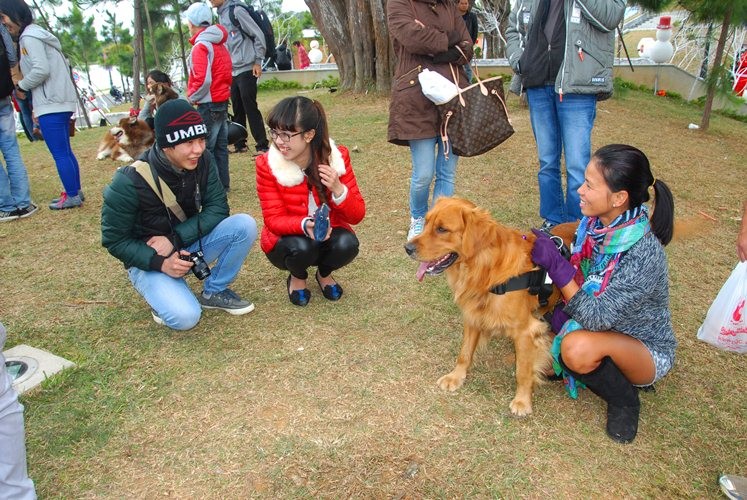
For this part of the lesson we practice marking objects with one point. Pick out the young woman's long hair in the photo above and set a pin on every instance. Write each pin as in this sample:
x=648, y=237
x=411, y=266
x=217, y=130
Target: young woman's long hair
x=301, y=114
x=18, y=12
x=626, y=168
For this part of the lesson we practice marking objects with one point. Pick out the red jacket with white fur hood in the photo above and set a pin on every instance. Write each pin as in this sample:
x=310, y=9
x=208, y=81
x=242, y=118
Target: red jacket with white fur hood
x=284, y=195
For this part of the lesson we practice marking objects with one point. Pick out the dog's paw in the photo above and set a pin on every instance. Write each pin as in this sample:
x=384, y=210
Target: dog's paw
x=124, y=157
x=520, y=408
x=102, y=155
x=450, y=382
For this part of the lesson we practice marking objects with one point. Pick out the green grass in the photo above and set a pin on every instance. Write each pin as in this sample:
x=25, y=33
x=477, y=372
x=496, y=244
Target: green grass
x=339, y=399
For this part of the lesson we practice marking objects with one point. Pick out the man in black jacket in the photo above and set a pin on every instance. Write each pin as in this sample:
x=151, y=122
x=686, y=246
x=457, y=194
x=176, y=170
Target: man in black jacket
x=159, y=241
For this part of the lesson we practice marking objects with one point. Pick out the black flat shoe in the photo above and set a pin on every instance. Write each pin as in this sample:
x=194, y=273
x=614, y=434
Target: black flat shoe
x=330, y=292
x=298, y=297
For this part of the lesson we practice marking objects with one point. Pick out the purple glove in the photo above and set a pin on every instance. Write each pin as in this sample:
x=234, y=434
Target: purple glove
x=547, y=255
x=559, y=317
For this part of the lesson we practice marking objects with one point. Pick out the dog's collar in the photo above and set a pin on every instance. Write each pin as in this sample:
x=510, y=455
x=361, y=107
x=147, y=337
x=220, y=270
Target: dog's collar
x=532, y=281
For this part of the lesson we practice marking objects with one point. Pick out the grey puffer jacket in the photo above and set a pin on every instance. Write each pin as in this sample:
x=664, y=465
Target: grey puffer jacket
x=589, y=44
x=45, y=72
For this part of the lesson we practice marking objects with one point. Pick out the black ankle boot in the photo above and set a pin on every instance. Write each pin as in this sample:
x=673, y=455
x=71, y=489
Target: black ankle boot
x=623, y=405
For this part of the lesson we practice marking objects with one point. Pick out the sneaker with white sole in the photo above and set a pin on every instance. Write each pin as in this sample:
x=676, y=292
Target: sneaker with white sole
x=227, y=300
x=65, y=202
x=734, y=487
x=416, y=227
x=26, y=211
x=6, y=216
x=156, y=317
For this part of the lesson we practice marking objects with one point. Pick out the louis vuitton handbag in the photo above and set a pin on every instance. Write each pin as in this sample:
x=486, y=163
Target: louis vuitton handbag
x=476, y=120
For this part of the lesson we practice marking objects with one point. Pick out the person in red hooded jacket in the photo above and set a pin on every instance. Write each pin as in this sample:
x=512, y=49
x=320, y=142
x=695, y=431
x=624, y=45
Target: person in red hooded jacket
x=209, y=84
x=303, y=170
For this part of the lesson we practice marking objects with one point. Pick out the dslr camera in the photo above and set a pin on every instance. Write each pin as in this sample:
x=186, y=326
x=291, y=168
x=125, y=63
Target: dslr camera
x=200, y=268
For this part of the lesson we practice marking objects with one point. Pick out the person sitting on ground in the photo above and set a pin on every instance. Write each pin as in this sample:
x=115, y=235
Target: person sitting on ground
x=160, y=245
x=616, y=289
x=303, y=170
x=149, y=101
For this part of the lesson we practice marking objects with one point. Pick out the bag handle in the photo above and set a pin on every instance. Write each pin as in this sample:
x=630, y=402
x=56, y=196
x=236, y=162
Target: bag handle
x=165, y=194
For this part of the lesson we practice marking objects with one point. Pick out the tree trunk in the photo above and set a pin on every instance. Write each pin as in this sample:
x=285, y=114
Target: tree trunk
x=152, y=35
x=704, y=123
x=357, y=35
x=182, y=44
x=136, y=55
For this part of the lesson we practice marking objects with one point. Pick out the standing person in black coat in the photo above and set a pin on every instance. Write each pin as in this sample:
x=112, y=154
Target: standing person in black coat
x=470, y=19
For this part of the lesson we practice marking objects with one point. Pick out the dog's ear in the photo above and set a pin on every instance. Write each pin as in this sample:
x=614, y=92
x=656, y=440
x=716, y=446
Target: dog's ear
x=471, y=233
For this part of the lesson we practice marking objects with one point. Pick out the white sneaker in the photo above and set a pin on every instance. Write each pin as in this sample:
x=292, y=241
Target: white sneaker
x=734, y=487
x=416, y=227
x=157, y=318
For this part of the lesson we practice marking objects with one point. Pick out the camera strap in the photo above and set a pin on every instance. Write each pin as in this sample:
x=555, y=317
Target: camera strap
x=162, y=190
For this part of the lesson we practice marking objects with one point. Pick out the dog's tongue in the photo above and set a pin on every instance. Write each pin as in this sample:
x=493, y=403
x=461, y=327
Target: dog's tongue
x=421, y=270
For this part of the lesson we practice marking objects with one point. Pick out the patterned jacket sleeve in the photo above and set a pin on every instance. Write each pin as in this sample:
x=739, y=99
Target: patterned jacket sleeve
x=636, y=289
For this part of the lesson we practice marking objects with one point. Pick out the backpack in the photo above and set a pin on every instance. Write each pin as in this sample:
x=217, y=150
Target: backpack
x=259, y=17
x=6, y=82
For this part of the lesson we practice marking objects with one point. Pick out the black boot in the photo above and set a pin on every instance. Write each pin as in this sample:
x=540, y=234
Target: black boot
x=623, y=405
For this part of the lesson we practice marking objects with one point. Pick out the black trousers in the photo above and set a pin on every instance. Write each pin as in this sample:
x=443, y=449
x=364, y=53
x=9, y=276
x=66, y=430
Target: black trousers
x=244, y=104
x=297, y=253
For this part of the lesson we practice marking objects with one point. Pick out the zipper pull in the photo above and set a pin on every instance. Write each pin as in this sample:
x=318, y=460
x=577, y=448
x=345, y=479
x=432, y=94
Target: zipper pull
x=580, y=54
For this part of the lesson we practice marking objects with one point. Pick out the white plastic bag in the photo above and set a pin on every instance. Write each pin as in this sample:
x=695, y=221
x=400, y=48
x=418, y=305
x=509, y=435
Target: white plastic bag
x=725, y=325
x=436, y=87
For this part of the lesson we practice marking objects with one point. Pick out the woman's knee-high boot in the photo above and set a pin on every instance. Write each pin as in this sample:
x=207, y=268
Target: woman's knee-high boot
x=623, y=405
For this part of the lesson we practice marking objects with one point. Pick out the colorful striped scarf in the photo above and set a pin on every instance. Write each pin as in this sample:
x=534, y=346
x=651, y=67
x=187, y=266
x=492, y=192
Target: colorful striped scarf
x=596, y=252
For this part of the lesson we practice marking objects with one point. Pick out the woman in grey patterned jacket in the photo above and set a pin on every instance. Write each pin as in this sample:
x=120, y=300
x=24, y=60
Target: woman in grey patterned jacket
x=615, y=331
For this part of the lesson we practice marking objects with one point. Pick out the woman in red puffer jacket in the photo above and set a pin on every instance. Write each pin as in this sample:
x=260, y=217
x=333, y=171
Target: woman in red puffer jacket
x=302, y=171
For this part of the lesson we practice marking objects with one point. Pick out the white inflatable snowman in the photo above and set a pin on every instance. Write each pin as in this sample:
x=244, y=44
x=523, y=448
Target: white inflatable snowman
x=659, y=50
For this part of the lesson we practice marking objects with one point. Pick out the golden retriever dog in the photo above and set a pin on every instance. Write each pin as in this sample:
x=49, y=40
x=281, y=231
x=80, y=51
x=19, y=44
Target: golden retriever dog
x=477, y=253
x=127, y=140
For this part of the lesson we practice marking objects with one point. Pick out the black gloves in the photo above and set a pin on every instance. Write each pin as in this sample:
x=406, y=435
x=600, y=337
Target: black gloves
x=453, y=55
x=450, y=56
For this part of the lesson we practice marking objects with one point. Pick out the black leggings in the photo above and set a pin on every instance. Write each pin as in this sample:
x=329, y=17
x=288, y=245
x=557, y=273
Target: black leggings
x=297, y=253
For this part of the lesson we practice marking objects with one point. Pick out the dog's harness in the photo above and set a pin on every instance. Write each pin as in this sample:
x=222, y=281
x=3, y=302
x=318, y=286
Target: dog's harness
x=535, y=281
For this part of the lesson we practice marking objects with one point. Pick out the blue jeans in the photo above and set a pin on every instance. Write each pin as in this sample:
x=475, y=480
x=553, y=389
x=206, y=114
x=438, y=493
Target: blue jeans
x=27, y=119
x=561, y=126
x=215, y=116
x=225, y=247
x=428, y=161
x=14, y=180
x=56, y=130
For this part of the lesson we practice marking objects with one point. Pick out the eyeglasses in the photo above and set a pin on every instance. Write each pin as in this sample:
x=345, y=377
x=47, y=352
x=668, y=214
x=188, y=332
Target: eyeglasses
x=283, y=136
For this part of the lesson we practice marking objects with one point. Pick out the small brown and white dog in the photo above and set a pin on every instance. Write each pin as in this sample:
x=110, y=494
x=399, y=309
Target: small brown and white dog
x=127, y=140
x=131, y=136
x=477, y=253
